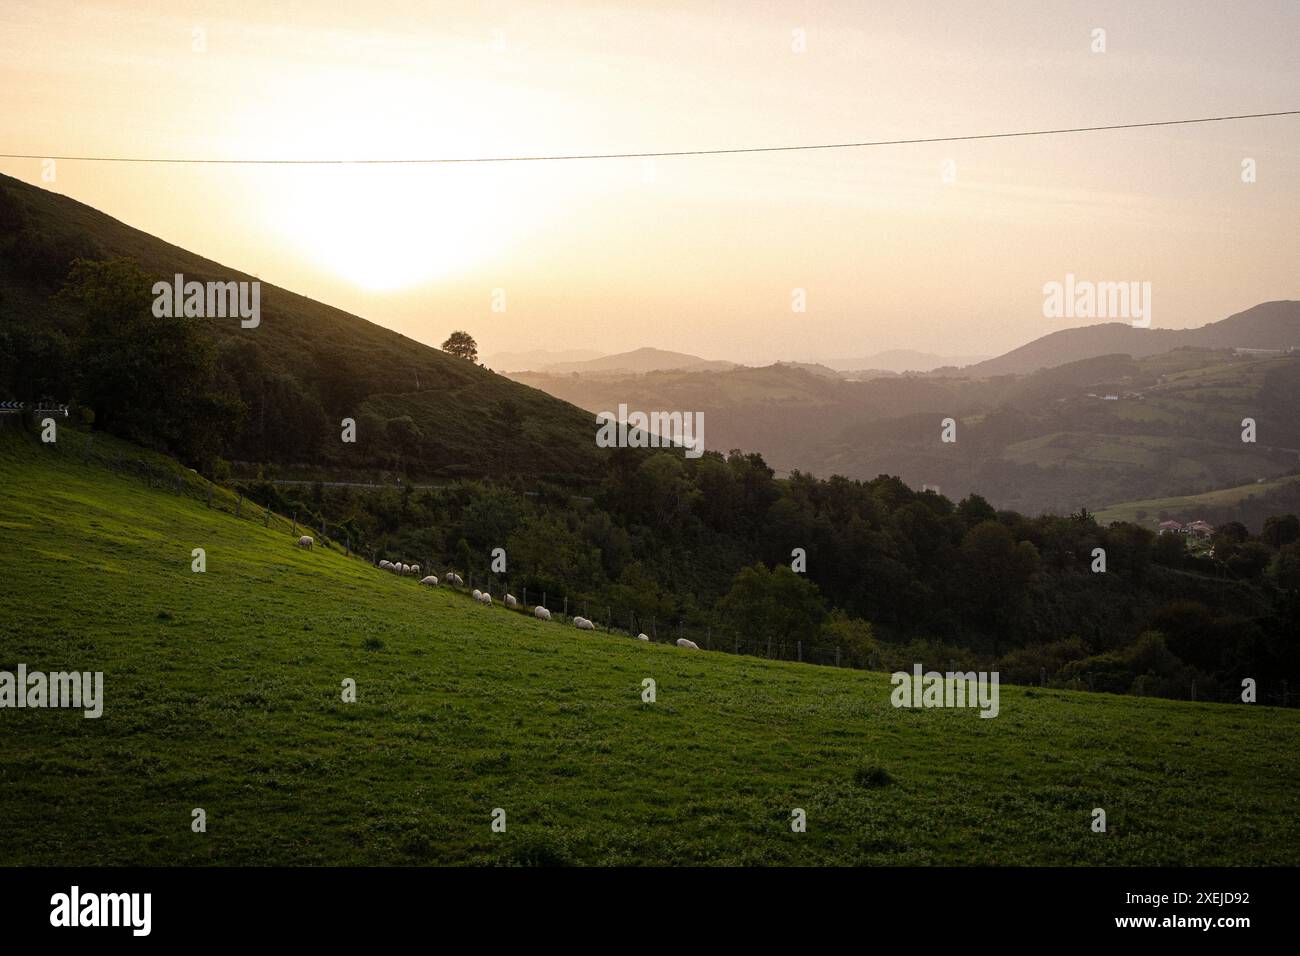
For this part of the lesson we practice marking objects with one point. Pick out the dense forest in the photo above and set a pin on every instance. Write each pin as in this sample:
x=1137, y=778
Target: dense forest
x=892, y=575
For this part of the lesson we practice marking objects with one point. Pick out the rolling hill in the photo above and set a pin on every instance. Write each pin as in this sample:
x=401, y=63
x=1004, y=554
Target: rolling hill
x=1269, y=325
x=536, y=358
x=1250, y=504
x=636, y=362
x=1048, y=441
x=222, y=692
x=902, y=360
x=466, y=421
x=787, y=412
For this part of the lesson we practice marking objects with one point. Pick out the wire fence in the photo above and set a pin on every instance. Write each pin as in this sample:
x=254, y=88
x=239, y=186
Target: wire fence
x=607, y=619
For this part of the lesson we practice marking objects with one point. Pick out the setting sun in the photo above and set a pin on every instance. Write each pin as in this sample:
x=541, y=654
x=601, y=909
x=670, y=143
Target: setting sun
x=386, y=228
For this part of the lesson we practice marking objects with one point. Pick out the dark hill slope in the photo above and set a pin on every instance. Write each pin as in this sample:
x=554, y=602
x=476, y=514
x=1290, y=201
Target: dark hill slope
x=467, y=420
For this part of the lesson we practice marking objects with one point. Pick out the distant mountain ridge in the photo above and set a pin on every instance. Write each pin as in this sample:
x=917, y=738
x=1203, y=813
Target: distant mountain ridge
x=1269, y=325
x=1086, y=433
x=901, y=360
x=636, y=362
x=537, y=358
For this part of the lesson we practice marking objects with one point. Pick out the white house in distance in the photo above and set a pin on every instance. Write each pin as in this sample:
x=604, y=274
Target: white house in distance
x=1197, y=528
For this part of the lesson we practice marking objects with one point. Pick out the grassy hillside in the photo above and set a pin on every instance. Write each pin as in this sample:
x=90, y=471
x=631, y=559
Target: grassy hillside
x=223, y=692
x=471, y=422
x=1211, y=506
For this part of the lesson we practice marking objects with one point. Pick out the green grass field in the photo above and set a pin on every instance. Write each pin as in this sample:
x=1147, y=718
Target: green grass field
x=1221, y=498
x=222, y=691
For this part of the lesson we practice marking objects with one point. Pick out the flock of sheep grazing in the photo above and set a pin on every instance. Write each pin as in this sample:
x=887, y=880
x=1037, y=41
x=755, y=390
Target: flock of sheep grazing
x=452, y=579
x=406, y=569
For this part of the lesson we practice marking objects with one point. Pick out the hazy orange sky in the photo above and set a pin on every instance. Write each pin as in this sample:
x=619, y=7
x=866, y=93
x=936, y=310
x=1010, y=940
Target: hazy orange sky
x=697, y=254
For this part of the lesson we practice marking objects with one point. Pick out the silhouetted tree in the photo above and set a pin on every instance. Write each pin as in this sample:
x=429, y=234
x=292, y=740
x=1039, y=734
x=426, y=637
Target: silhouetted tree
x=461, y=345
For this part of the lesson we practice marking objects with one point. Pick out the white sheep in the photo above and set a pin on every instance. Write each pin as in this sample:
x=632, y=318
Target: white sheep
x=510, y=601
x=478, y=595
x=689, y=645
x=541, y=613
x=306, y=541
x=643, y=637
x=487, y=599
x=583, y=624
x=430, y=580
x=415, y=569
x=383, y=564
x=406, y=569
x=453, y=578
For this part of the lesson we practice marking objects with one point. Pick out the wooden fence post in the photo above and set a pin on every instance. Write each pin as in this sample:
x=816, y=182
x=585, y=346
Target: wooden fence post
x=799, y=644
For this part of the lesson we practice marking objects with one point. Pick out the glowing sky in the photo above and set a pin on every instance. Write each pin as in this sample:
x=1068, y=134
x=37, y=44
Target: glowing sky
x=692, y=254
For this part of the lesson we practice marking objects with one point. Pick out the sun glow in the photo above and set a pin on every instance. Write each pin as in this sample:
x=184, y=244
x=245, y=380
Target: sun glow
x=386, y=227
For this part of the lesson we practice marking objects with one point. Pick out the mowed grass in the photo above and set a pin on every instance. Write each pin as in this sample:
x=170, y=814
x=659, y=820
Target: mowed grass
x=223, y=692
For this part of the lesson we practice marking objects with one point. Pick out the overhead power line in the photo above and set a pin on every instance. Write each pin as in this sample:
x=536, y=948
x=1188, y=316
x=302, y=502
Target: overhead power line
x=645, y=155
